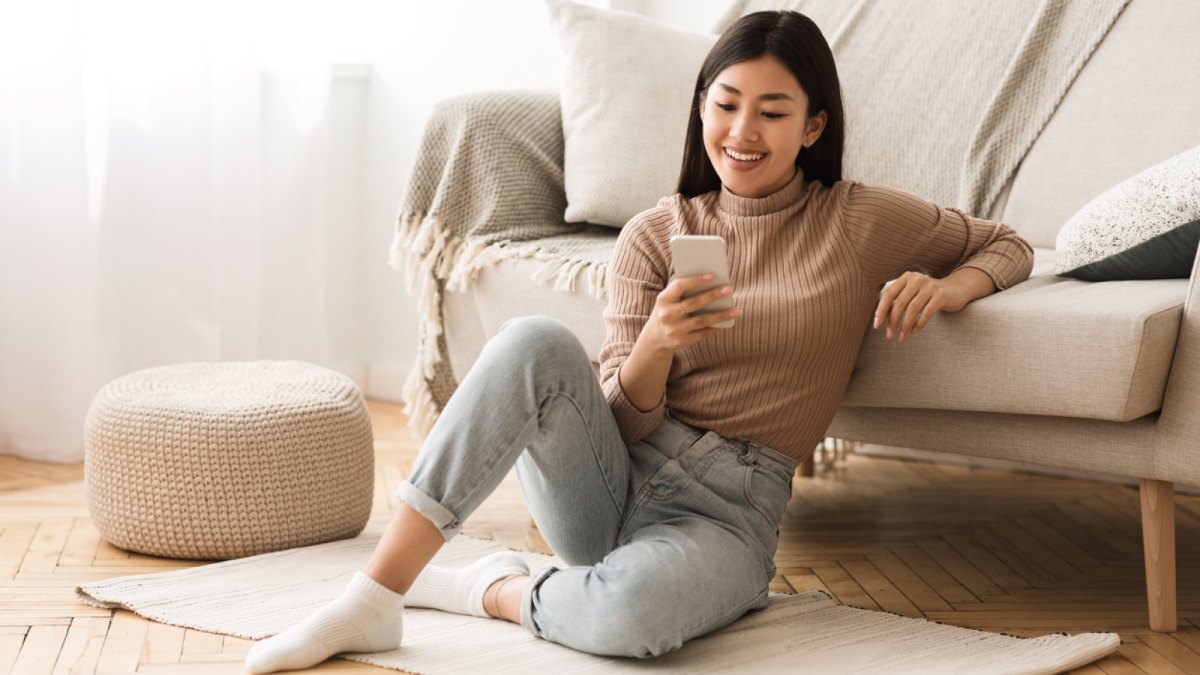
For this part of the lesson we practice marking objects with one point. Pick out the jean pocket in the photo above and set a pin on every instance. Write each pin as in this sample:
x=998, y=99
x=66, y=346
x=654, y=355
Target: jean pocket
x=660, y=486
x=767, y=492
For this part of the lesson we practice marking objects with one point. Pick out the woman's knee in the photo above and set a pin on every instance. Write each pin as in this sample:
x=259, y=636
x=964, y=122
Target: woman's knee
x=541, y=335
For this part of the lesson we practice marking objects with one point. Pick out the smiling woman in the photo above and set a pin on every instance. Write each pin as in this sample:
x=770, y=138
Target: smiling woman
x=776, y=97
x=649, y=502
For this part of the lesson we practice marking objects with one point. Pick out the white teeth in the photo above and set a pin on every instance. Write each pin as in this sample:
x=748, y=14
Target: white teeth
x=744, y=158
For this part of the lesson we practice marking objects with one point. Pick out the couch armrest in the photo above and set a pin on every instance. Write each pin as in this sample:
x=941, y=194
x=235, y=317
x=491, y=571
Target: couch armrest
x=1177, y=446
x=490, y=162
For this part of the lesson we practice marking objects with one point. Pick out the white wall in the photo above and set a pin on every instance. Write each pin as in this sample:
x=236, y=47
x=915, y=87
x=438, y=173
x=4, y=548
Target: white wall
x=431, y=51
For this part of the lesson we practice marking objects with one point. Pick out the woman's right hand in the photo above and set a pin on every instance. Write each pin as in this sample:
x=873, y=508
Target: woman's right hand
x=672, y=324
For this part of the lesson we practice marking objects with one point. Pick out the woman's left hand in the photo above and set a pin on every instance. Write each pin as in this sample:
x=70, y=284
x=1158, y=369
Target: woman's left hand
x=909, y=302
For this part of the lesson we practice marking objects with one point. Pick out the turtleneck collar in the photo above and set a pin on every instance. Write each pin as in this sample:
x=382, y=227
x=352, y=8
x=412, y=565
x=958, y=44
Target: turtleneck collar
x=763, y=206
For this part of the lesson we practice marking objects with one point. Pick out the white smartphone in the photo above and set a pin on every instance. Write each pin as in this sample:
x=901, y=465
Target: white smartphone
x=693, y=254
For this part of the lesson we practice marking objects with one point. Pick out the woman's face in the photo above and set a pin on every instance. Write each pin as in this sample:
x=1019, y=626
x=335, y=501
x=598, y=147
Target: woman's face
x=755, y=122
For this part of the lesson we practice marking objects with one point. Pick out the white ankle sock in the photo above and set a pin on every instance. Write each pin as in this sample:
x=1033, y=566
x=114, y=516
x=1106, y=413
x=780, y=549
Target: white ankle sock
x=460, y=589
x=366, y=617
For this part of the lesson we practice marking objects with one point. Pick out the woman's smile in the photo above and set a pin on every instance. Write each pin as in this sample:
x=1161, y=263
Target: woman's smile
x=744, y=160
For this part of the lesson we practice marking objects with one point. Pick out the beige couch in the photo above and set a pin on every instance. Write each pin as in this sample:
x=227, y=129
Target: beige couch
x=1057, y=372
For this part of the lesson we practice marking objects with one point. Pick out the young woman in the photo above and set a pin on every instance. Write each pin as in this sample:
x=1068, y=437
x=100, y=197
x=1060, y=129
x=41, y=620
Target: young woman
x=662, y=485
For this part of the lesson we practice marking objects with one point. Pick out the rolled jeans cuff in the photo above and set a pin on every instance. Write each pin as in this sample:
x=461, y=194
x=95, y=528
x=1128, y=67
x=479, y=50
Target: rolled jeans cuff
x=527, y=600
x=439, y=515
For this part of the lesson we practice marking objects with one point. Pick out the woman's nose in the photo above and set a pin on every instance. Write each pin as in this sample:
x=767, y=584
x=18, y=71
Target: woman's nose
x=744, y=127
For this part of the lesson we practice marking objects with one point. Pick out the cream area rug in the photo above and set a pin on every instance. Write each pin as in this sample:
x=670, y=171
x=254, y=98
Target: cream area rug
x=808, y=633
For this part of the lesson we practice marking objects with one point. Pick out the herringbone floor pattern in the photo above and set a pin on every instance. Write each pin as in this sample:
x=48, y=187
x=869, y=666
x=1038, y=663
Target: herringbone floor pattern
x=981, y=548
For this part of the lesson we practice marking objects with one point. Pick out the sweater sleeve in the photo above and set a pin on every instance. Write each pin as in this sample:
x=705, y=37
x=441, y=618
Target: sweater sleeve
x=637, y=273
x=893, y=231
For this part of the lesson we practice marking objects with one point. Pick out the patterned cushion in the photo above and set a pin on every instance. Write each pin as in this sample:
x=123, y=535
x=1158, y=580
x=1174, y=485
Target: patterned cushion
x=1147, y=227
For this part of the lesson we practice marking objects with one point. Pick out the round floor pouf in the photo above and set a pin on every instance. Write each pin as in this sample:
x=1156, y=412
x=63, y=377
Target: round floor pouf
x=224, y=460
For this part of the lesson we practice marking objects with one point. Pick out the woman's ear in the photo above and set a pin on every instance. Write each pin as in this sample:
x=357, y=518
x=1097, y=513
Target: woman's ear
x=814, y=127
x=700, y=105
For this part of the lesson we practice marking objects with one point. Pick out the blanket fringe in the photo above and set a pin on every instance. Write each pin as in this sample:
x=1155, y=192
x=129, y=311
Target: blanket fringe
x=401, y=256
x=561, y=273
x=423, y=248
x=417, y=246
x=419, y=407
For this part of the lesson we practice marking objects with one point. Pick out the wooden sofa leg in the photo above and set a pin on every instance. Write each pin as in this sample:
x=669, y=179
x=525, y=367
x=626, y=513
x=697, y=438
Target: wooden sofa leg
x=1158, y=542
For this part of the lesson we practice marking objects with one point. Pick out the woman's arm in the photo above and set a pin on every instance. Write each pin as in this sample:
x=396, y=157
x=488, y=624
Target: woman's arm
x=973, y=283
x=633, y=374
x=893, y=232
x=940, y=257
x=670, y=327
x=643, y=376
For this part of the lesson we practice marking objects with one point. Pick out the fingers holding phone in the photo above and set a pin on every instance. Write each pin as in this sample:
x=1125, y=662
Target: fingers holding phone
x=677, y=317
x=699, y=299
x=704, y=301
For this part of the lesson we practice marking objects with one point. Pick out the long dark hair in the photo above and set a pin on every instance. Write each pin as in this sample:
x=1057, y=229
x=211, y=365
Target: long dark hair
x=796, y=41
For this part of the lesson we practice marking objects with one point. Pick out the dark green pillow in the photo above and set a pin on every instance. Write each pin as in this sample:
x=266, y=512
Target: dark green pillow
x=1169, y=255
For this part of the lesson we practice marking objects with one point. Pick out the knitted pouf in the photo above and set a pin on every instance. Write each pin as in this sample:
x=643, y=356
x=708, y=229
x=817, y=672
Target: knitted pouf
x=225, y=460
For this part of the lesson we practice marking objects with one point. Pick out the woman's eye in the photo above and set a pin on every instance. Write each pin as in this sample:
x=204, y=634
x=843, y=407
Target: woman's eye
x=725, y=106
x=772, y=116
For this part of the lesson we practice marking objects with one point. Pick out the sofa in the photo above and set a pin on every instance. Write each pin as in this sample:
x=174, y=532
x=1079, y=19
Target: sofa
x=1053, y=371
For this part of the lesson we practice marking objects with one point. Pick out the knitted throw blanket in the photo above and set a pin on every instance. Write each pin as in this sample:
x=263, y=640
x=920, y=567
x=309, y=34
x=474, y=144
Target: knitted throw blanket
x=949, y=118
x=487, y=186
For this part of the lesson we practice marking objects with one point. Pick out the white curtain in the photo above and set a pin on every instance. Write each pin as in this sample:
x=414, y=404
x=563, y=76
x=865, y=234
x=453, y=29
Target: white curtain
x=164, y=182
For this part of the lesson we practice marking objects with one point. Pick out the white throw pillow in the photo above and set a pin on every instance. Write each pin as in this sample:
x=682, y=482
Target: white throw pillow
x=1146, y=227
x=626, y=94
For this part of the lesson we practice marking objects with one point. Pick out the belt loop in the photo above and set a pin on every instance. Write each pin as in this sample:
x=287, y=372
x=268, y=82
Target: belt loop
x=750, y=454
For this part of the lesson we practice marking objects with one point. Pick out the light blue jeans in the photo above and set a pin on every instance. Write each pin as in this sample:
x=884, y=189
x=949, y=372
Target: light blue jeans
x=667, y=539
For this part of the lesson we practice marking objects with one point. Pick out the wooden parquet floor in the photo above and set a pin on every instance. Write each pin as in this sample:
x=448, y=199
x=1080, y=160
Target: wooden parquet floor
x=981, y=548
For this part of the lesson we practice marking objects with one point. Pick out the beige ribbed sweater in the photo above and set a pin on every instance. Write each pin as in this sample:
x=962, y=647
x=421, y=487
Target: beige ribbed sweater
x=806, y=264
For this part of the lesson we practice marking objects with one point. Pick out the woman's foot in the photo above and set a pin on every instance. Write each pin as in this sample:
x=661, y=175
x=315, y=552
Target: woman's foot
x=366, y=617
x=460, y=589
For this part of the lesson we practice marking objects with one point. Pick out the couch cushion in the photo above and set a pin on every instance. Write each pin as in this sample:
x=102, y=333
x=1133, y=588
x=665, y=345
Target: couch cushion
x=622, y=135
x=504, y=291
x=1133, y=105
x=1047, y=346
